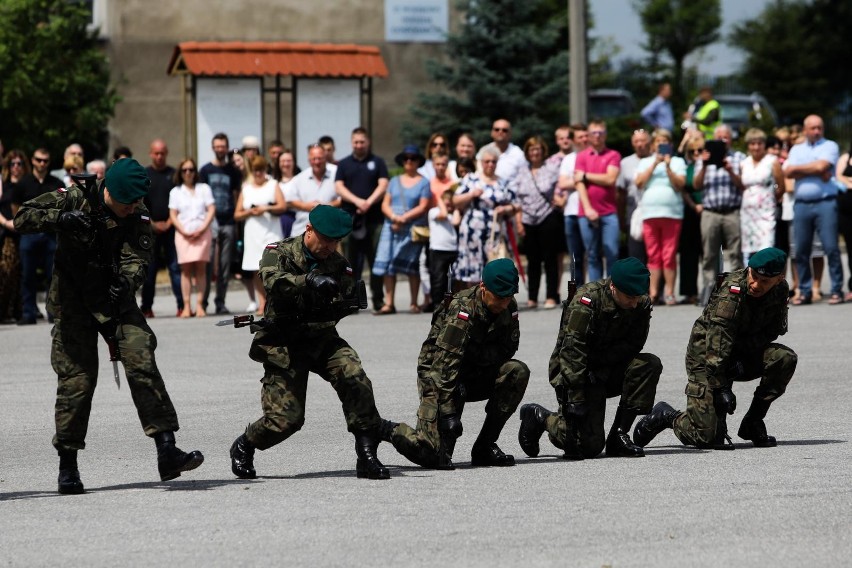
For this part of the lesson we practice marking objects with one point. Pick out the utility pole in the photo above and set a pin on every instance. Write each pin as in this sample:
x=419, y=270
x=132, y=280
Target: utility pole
x=578, y=74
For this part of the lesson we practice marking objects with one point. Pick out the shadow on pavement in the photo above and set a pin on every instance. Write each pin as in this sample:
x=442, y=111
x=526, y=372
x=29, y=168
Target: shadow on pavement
x=183, y=485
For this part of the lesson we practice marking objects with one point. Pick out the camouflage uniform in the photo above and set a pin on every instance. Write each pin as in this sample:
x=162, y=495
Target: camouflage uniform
x=597, y=356
x=79, y=302
x=303, y=339
x=732, y=341
x=466, y=357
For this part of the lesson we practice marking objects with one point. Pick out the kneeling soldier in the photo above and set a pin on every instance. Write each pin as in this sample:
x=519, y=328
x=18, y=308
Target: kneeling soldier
x=306, y=281
x=103, y=251
x=732, y=341
x=467, y=357
x=597, y=356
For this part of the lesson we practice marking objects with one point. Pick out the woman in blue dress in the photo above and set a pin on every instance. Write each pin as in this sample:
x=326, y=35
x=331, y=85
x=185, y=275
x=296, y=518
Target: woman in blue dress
x=405, y=204
x=480, y=195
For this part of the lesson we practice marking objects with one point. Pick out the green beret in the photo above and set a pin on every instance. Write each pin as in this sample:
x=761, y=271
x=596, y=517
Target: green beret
x=501, y=277
x=127, y=181
x=768, y=262
x=330, y=222
x=631, y=276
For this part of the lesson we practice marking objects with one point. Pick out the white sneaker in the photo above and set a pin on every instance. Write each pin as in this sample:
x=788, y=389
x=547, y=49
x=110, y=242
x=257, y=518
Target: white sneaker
x=252, y=307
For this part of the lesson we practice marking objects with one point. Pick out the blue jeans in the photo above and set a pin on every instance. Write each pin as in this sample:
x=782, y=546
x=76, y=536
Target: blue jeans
x=602, y=233
x=575, y=247
x=163, y=243
x=819, y=216
x=37, y=250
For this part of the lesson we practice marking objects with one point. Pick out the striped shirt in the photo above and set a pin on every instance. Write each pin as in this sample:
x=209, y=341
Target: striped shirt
x=720, y=193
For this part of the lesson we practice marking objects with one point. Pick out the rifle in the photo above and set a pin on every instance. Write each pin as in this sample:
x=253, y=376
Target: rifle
x=334, y=310
x=572, y=283
x=111, y=334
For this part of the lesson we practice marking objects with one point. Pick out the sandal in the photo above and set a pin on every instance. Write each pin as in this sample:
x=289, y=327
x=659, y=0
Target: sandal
x=835, y=299
x=385, y=310
x=800, y=301
x=550, y=304
x=414, y=309
x=671, y=301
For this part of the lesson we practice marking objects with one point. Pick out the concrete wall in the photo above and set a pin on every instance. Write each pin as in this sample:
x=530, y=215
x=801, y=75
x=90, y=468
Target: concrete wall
x=141, y=35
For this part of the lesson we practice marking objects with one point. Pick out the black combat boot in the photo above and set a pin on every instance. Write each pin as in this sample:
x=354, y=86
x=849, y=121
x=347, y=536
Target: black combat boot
x=485, y=451
x=242, y=458
x=618, y=443
x=662, y=416
x=171, y=461
x=368, y=465
x=386, y=430
x=533, y=417
x=69, y=475
x=753, y=428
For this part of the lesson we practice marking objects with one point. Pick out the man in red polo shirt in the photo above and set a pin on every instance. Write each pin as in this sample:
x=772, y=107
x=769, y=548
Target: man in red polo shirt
x=595, y=174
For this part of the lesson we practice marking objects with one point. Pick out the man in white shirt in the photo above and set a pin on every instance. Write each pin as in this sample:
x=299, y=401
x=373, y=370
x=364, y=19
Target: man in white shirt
x=512, y=158
x=310, y=188
x=628, y=193
x=565, y=188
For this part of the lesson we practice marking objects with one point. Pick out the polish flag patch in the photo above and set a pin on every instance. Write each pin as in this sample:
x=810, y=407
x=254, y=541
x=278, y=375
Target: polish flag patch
x=514, y=315
x=464, y=316
x=735, y=289
x=349, y=270
x=271, y=246
x=586, y=301
x=62, y=190
x=145, y=218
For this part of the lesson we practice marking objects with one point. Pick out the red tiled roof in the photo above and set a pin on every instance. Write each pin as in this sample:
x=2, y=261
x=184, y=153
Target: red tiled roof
x=255, y=59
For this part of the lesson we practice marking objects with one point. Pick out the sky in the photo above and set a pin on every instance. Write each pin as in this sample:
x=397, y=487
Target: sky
x=617, y=20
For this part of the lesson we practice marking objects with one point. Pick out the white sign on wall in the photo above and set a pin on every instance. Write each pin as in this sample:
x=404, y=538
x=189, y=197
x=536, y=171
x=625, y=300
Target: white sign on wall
x=425, y=21
x=232, y=106
x=329, y=107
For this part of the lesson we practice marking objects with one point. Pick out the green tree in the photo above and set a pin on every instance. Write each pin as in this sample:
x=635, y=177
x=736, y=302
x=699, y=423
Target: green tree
x=796, y=54
x=509, y=60
x=677, y=28
x=54, y=78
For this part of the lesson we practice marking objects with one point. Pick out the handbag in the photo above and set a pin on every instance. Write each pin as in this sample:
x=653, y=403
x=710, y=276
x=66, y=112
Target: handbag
x=636, y=222
x=419, y=234
x=495, y=246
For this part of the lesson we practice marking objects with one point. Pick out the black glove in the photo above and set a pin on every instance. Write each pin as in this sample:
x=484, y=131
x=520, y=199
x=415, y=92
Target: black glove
x=724, y=400
x=451, y=425
x=119, y=288
x=76, y=220
x=326, y=286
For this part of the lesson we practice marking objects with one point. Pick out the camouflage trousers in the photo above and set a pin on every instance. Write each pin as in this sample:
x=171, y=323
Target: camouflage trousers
x=285, y=384
x=503, y=387
x=74, y=356
x=697, y=426
x=636, y=383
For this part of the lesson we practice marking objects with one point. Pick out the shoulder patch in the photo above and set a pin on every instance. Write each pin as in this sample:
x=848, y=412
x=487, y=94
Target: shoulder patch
x=348, y=270
x=585, y=300
x=272, y=246
x=145, y=242
x=515, y=315
x=61, y=190
x=463, y=315
x=735, y=289
x=145, y=219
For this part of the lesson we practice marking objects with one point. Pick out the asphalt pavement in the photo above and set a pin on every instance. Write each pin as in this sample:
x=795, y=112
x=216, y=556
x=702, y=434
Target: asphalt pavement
x=784, y=506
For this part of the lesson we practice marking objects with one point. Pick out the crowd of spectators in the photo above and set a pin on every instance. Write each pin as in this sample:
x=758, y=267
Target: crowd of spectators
x=684, y=203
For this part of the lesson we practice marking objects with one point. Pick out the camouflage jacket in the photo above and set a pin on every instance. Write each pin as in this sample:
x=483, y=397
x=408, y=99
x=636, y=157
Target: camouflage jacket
x=735, y=325
x=466, y=335
x=85, y=261
x=596, y=335
x=295, y=310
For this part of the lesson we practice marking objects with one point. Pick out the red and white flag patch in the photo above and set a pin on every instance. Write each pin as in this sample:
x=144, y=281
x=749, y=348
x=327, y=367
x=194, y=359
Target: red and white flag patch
x=735, y=289
x=514, y=315
x=145, y=219
x=464, y=316
x=271, y=246
x=62, y=190
x=586, y=301
x=349, y=270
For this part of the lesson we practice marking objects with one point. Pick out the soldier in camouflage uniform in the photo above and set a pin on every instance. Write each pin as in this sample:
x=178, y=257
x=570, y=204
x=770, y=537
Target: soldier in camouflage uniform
x=104, y=247
x=597, y=356
x=306, y=283
x=467, y=357
x=732, y=341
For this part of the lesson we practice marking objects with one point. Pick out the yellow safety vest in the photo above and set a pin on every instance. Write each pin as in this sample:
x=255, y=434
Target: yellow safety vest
x=707, y=129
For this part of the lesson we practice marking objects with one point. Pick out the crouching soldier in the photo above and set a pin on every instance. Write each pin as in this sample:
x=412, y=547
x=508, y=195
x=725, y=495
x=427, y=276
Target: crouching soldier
x=732, y=341
x=467, y=357
x=307, y=282
x=598, y=356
